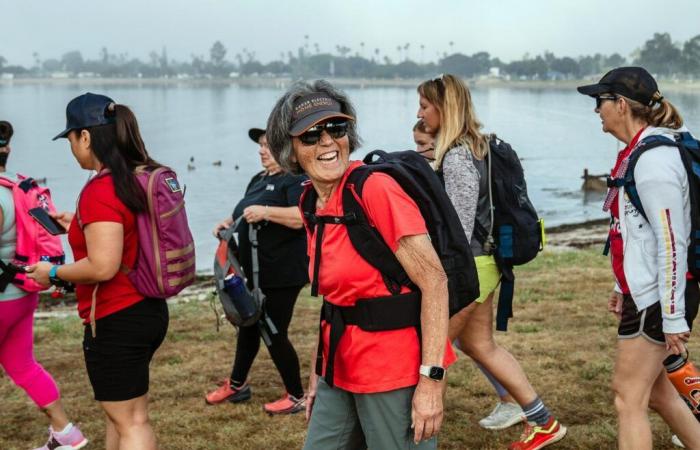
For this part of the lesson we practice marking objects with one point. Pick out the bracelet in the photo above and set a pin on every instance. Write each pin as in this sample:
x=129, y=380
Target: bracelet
x=53, y=276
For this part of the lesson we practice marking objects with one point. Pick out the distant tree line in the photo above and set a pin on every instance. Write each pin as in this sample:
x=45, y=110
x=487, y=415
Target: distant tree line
x=660, y=55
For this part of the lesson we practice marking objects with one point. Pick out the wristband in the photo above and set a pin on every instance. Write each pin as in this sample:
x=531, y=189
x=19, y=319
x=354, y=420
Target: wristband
x=53, y=276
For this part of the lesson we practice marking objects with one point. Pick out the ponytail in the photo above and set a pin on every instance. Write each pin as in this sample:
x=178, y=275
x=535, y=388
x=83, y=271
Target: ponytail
x=120, y=148
x=661, y=113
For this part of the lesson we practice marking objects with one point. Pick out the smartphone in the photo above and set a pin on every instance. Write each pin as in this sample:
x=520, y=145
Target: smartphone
x=49, y=223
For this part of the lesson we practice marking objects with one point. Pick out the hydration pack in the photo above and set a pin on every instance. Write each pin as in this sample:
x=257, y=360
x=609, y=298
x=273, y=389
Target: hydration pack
x=415, y=176
x=516, y=234
x=689, y=151
x=243, y=307
x=34, y=243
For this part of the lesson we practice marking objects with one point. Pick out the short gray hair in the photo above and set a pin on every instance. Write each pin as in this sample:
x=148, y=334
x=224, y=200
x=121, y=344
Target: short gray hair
x=280, y=120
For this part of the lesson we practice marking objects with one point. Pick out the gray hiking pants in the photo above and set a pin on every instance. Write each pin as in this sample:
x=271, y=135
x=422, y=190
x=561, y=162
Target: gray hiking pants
x=342, y=420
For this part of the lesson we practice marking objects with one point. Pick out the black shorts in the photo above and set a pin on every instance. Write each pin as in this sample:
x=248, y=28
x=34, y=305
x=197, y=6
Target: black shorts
x=117, y=359
x=648, y=322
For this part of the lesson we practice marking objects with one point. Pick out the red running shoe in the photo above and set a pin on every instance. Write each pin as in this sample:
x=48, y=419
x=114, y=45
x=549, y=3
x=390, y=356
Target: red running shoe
x=535, y=436
x=227, y=393
x=286, y=405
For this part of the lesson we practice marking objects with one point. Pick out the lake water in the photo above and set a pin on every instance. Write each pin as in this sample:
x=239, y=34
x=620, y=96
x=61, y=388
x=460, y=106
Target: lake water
x=555, y=132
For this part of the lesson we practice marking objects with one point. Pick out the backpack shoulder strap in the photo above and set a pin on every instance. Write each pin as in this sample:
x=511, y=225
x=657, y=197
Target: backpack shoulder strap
x=628, y=182
x=366, y=239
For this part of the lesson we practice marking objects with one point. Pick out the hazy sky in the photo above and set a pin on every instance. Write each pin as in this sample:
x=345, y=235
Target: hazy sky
x=505, y=28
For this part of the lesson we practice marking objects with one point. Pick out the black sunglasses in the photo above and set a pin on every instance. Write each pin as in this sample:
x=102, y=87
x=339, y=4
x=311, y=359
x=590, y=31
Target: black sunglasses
x=599, y=99
x=335, y=129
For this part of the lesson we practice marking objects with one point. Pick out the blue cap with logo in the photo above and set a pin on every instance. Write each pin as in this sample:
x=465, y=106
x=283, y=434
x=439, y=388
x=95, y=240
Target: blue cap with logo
x=87, y=110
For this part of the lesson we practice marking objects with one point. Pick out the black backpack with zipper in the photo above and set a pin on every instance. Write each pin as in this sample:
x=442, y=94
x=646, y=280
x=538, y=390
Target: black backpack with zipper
x=516, y=235
x=415, y=176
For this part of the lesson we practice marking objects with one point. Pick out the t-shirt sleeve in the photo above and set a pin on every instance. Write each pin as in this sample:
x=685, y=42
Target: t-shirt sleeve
x=294, y=190
x=99, y=203
x=391, y=210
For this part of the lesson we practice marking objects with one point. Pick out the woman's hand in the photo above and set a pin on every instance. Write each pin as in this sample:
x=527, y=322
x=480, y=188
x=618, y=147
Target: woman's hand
x=675, y=343
x=64, y=218
x=255, y=213
x=39, y=272
x=427, y=409
x=311, y=394
x=615, y=304
x=222, y=226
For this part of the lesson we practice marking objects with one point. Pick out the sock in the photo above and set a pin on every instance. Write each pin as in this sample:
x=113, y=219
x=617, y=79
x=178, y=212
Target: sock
x=237, y=384
x=65, y=430
x=535, y=411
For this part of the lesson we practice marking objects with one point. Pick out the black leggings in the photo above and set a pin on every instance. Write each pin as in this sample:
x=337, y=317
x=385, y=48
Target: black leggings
x=280, y=307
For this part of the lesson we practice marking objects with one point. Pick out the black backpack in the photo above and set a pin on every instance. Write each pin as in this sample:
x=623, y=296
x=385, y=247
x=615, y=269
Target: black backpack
x=689, y=151
x=419, y=181
x=517, y=234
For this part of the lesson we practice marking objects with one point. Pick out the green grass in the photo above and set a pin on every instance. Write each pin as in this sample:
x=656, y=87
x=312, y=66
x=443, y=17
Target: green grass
x=562, y=334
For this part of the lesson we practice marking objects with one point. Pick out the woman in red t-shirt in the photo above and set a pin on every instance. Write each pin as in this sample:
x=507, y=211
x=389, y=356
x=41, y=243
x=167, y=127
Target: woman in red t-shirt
x=122, y=328
x=376, y=382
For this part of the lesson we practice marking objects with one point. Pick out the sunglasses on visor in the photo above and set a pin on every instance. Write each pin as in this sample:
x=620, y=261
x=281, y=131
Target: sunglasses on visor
x=335, y=129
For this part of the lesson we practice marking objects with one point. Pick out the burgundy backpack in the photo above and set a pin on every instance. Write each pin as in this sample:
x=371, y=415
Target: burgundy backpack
x=165, y=263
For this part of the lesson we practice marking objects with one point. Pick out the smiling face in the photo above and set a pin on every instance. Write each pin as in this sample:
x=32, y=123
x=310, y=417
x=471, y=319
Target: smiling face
x=429, y=114
x=326, y=161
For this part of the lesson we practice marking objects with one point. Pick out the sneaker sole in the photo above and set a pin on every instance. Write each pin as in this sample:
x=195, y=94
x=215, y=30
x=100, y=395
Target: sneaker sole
x=557, y=437
x=509, y=423
x=229, y=399
x=284, y=411
x=82, y=444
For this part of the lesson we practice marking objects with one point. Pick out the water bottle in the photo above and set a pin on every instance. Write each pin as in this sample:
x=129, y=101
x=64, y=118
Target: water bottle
x=686, y=379
x=239, y=295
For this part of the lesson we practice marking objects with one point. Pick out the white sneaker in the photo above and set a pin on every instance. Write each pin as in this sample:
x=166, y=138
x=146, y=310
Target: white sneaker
x=503, y=416
x=677, y=442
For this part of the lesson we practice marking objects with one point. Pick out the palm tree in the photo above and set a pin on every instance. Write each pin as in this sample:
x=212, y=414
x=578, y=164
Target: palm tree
x=362, y=47
x=422, y=47
x=406, y=47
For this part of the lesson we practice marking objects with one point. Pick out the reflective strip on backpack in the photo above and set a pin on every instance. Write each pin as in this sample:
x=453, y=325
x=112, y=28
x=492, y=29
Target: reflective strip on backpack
x=178, y=252
x=176, y=267
x=180, y=280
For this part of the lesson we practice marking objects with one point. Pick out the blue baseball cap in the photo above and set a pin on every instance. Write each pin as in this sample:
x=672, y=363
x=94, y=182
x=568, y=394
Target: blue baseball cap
x=87, y=110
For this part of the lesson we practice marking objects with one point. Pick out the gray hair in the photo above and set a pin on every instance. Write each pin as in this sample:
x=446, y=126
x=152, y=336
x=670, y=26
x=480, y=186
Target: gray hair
x=280, y=121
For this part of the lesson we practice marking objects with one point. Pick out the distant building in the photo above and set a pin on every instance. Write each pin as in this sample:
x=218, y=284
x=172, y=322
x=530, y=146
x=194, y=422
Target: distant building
x=495, y=72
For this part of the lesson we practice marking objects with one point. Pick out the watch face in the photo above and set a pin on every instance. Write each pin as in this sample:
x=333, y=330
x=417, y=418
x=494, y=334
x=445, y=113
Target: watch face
x=436, y=373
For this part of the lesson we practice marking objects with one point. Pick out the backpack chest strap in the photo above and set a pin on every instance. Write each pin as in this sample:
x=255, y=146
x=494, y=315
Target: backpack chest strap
x=319, y=224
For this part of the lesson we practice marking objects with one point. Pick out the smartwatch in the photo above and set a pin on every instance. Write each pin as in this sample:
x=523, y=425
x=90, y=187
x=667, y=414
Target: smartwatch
x=435, y=373
x=53, y=276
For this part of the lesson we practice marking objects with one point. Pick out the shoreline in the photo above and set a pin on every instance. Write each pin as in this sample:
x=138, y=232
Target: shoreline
x=284, y=82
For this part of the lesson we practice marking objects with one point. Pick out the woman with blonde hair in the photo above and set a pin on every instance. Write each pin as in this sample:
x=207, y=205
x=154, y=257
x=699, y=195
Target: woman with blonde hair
x=652, y=298
x=446, y=109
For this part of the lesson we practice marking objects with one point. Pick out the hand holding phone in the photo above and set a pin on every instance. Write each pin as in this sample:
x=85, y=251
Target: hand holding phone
x=45, y=220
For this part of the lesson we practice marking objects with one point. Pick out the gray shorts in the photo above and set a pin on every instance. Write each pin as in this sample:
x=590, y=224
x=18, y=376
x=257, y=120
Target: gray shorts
x=342, y=420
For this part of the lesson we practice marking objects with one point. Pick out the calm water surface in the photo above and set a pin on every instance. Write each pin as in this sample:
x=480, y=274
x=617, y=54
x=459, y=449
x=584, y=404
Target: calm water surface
x=555, y=132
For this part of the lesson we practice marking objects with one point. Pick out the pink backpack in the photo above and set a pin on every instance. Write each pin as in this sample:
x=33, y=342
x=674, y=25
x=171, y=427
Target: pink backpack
x=34, y=243
x=165, y=263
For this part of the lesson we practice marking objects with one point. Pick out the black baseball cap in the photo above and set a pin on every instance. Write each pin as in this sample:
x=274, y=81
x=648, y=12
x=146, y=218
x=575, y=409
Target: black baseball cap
x=6, y=133
x=312, y=109
x=255, y=133
x=87, y=110
x=632, y=82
